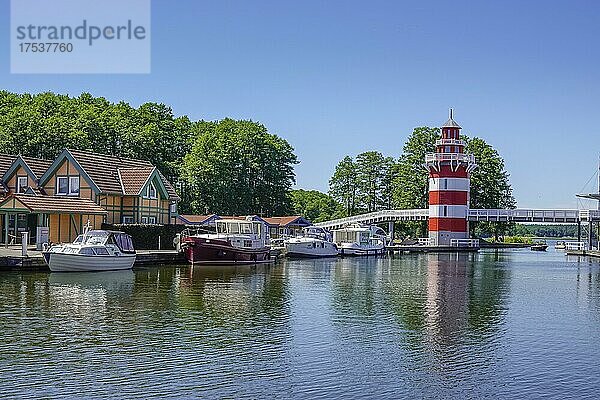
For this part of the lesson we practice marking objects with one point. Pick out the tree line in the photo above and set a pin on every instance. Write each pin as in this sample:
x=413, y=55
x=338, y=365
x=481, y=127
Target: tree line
x=238, y=167
x=372, y=182
x=228, y=167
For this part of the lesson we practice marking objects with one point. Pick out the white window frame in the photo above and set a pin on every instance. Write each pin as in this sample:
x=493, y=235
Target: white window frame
x=22, y=188
x=144, y=220
x=70, y=185
x=152, y=220
x=71, y=180
x=149, y=188
x=58, y=192
x=127, y=219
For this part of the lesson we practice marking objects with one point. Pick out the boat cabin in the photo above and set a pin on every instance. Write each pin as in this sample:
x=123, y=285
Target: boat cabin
x=362, y=235
x=317, y=233
x=240, y=227
x=104, y=238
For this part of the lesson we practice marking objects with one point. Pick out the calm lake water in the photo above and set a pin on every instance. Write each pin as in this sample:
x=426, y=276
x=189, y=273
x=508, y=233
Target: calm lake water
x=511, y=324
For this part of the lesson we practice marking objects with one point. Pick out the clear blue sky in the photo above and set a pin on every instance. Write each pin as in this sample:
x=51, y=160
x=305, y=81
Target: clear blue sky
x=341, y=77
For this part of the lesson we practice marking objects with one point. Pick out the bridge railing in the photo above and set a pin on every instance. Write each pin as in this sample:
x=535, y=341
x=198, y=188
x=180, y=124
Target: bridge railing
x=376, y=216
x=589, y=215
x=521, y=214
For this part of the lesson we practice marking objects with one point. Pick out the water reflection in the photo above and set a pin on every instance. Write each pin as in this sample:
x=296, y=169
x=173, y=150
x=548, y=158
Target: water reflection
x=493, y=324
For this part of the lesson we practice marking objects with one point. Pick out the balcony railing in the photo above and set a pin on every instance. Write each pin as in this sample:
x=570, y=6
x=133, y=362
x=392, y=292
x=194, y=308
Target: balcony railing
x=450, y=142
x=452, y=157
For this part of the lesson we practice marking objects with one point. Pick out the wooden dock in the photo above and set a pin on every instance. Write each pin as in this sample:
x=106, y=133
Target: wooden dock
x=429, y=249
x=589, y=253
x=11, y=258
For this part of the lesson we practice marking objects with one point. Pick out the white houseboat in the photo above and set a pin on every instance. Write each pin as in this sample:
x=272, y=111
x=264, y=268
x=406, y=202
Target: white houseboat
x=359, y=240
x=315, y=242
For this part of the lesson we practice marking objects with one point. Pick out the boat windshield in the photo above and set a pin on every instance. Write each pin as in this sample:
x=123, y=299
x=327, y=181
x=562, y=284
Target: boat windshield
x=99, y=238
x=124, y=241
x=239, y=227
x=91, y=239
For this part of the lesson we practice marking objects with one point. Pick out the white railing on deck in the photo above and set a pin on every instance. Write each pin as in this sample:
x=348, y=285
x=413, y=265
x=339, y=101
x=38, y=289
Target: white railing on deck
x=425, y=242
x=576, y=246
x=450, y=142
x=464, y=242
x=456, y=157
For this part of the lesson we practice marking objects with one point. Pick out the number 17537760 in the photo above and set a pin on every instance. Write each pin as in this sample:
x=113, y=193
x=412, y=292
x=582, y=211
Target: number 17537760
x=47, y=47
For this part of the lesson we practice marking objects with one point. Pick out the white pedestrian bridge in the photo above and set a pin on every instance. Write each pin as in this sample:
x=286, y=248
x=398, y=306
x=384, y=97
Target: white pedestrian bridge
x=492, y=215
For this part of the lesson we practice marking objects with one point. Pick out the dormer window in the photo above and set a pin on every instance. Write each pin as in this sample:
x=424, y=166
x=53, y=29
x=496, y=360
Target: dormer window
x=21, y=184
x=74, y=185
x=151, y=191
x=67, y=185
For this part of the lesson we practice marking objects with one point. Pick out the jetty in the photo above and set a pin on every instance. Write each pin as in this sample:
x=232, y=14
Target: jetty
x=12, y=257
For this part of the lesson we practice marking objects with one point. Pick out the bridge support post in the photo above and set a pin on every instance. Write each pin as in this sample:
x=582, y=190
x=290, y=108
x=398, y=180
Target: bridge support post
x=579, y=230
x=391, y=231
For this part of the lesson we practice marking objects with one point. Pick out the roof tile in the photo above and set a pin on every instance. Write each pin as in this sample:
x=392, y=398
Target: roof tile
x=57, y=204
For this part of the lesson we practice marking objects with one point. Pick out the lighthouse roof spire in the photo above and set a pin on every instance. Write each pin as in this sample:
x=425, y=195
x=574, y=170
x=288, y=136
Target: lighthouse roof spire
x=451, y=123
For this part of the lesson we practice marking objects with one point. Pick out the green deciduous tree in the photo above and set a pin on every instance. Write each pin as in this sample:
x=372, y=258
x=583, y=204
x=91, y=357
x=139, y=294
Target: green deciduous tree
x=42, y=125
x=490, y=186
x=364, y=184
x=411, y=185
x=238, y=168
x=343, y=185
x=315, y=206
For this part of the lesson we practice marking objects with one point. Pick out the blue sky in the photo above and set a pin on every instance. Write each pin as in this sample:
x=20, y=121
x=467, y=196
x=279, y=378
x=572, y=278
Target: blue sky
x=342, y=77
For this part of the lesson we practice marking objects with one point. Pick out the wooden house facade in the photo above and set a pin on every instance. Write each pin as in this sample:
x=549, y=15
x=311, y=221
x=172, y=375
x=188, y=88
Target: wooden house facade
x=78, y=187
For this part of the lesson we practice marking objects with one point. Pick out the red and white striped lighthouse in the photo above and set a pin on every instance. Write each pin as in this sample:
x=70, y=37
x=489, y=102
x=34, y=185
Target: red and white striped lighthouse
x=449, y=186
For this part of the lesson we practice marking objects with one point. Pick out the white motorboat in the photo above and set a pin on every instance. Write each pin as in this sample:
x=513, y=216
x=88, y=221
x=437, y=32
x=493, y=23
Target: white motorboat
x=315, y=242
x=95, y=250
x=359, y=240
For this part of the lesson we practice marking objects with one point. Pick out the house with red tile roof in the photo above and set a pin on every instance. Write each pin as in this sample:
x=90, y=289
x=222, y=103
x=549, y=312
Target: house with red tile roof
x=78, y=187
x=280, y=227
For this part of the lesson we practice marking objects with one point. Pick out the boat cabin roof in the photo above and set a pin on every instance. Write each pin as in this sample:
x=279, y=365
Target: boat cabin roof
x=121, y=239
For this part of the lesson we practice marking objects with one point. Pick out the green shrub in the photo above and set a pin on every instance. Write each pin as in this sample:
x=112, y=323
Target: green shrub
x=518, y=239
x=145, y=237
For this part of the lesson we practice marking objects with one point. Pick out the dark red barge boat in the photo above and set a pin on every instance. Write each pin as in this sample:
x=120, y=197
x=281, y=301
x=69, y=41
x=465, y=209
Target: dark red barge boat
x=234, y=242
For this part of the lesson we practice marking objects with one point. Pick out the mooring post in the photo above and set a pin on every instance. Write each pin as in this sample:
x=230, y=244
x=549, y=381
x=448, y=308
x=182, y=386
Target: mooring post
x=24, y=243
x=579, y=230
x=590, y=227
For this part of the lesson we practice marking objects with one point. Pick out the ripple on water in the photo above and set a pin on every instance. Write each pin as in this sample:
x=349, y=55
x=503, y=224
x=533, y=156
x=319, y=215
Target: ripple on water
x=500, y=325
